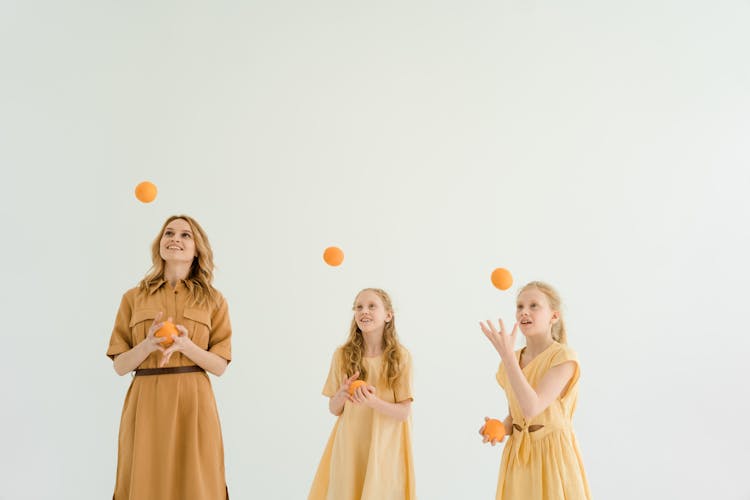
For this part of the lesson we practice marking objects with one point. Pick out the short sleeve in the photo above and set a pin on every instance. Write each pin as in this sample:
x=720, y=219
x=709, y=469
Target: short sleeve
x=333, y=382
x=121, y=339
x=563, y=355
x=403, y=388
x=220, y=336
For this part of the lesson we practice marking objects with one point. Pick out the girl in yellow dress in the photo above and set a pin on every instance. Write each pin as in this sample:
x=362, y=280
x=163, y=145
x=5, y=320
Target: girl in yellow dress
x=170, y=445
x=368, y=455
x=541, y=459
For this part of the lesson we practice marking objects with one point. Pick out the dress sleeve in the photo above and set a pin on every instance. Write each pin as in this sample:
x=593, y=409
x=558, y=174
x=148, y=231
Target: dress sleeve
x=563, y=355
x=403, y=390
x=220, y=337
x=333, y=382
x=121, y=339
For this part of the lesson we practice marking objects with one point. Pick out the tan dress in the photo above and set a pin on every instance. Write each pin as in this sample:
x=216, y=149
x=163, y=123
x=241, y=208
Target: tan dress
x=543, y=463
x=170, y=445
x=368, y=455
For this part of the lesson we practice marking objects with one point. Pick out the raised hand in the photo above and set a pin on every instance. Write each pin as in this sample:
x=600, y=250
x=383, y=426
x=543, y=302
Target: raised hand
x=501, y=340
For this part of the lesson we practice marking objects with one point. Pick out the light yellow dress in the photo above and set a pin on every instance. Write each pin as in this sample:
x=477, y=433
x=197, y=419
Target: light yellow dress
x=170, y=444
x=543, y=463
x=368, y=455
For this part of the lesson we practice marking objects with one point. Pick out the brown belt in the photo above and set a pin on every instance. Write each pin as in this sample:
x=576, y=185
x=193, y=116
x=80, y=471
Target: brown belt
x=167, y=371
x=532, y=428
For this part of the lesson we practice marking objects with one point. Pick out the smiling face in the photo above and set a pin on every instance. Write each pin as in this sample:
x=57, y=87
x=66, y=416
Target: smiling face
x=177, y=242
x=370, y=312
x=534, y=314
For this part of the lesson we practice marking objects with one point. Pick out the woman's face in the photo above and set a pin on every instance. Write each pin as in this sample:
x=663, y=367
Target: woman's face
x=177, y=244
x=370, y=313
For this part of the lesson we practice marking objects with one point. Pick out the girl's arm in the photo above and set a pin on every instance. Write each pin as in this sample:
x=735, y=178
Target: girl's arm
x=337, y=401
x=535, y=401
x=532, y=402
x=366, y=395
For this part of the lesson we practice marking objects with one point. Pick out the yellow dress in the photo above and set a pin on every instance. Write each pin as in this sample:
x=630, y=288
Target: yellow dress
x=543, y=463
x=368, y=455
x=170, y=445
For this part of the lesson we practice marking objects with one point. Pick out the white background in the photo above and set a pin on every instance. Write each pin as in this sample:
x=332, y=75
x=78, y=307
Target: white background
x=600, y=146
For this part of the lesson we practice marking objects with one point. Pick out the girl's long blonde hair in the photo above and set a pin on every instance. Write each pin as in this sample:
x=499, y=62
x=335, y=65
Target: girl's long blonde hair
x=353, y=350
x=201, y=275
x=558, y=328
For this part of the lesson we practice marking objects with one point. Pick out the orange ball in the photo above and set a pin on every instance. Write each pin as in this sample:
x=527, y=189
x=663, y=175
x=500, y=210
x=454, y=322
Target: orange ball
x=494, y=430
x=354, y=385
x=502, y=278
x=145, y=192
x=333, y=256
x=167, y=330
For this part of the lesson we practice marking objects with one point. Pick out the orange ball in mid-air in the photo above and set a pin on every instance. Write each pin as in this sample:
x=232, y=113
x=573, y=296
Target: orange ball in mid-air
x=502, y=278
x=333, y=256
x=354, y=385
x=494, y=430
x=145, y=192
x=167, y=330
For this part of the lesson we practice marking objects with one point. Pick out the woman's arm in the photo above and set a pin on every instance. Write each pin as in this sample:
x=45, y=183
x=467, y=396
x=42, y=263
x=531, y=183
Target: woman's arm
x=212, y=363
x=130, y=360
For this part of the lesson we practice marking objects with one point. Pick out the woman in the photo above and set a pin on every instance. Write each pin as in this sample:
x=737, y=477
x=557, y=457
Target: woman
x=170, y=444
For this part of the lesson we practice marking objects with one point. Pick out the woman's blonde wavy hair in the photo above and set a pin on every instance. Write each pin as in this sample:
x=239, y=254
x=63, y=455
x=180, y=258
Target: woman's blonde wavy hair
x=558, y=328
x=353, y=350
x=201, y=275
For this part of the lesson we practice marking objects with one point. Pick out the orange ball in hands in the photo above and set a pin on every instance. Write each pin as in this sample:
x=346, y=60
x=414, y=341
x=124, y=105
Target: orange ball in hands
x=502, y=278
x=354, y=385
x=167, y=330
x=333, y=256
x=494, y=430
x=145, y=192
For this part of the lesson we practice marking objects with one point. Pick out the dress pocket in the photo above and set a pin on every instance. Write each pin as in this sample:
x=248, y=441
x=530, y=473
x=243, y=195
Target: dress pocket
x=198, y=323
x=140, y=322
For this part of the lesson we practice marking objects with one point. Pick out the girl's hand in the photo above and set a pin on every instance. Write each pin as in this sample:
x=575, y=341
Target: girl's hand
x=365, y=395
x=504, y=343
x=343, y=392
x=181, y=343
x=152, y=342
x=486, y=439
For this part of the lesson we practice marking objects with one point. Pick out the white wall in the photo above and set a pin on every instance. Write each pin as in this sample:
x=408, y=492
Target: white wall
x=601, y=146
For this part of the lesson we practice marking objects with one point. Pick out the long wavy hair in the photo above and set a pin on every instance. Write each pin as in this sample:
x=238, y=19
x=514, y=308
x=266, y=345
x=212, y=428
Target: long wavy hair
x=553, y=297
x=353, y=350
x=201, y=275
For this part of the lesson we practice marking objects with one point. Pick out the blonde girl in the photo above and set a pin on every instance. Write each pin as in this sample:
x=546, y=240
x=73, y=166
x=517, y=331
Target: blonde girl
x=369, y=455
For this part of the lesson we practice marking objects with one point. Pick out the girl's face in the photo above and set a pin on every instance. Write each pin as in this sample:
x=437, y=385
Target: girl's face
x=177, y=244
x=533, y=313
x=370, y=313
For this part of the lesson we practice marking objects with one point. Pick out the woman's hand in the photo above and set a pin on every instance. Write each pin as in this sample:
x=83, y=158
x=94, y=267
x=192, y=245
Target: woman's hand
x=181, y=343
x=504, y=343
x=152, y=342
